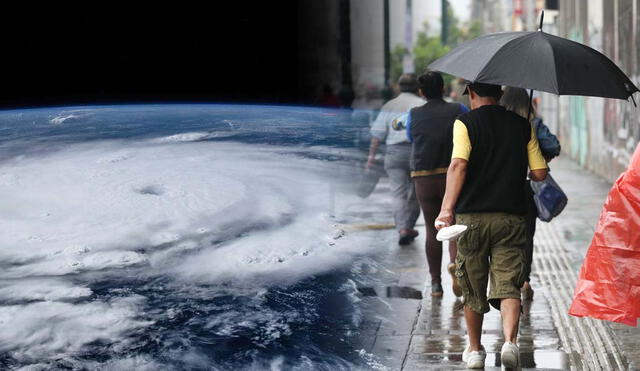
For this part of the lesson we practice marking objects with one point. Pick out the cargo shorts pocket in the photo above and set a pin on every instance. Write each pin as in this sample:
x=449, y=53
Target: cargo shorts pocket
x=469, y=242
x=471, y=297
x=463, y=278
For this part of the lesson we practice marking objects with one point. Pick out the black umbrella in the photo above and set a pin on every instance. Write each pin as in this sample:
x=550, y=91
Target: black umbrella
x=538, y=61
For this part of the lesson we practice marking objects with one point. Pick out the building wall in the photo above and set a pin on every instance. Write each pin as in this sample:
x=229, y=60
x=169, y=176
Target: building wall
x=319, y=42
x=367, y=45
x=600, y=134
x=492, y=14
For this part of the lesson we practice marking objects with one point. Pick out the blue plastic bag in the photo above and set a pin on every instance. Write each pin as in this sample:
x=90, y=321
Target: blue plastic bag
x=550, y=199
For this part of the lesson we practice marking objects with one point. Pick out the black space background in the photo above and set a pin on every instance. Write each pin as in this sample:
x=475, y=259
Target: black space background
x=104, y=52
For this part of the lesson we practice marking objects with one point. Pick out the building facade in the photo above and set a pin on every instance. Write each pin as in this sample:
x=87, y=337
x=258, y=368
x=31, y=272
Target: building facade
x=601, y=134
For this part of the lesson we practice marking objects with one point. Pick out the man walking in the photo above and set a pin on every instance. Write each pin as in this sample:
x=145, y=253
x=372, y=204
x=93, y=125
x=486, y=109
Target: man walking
x=492, y=149
x=390, y=126
x=430, y=131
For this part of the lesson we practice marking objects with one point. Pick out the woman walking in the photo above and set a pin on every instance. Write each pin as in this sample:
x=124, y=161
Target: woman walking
x=430, y=130
x=517, y=100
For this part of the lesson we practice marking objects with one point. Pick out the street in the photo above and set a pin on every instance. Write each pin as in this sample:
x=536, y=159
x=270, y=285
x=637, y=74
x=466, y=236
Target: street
x=405, y=332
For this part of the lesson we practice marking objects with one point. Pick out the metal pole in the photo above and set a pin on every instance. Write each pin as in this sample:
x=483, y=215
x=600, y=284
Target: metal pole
x=530, y=105
x=387, y=49
x=387, y=92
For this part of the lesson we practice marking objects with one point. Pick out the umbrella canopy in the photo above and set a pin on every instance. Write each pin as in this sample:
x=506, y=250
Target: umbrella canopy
x=537, y=60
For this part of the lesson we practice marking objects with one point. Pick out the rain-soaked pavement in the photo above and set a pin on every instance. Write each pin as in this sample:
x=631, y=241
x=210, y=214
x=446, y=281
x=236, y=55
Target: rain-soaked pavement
x=407, y=329
x=414, y=333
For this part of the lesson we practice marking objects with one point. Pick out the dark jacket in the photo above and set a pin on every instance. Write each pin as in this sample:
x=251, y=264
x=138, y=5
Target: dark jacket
x=497, y=168
x=549, y=144
x=431, y=133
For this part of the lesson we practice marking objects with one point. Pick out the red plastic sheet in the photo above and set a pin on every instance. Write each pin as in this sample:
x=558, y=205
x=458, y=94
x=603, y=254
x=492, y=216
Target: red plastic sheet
x=609, y=284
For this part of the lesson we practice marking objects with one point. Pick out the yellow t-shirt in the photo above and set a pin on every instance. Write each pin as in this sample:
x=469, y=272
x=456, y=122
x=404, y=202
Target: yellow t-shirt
x=462, y=147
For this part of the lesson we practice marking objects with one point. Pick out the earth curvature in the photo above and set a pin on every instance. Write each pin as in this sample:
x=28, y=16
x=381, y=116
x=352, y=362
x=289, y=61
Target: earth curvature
x=179, y=237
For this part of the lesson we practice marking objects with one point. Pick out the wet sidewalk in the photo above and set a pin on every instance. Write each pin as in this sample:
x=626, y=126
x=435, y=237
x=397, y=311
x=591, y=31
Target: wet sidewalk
x=409, y=333
x=404, y=328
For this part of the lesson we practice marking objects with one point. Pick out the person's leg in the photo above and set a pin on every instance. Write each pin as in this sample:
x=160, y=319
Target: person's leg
x=508, y=236
x=427, y=192
x=398, y=188
x=413, y=206
x=510, y=313
x=530, y=221
x=453, y=248
x=438, y=186
x=506, y=279
x=472, y=271
x=474, y=321
x=396, y=163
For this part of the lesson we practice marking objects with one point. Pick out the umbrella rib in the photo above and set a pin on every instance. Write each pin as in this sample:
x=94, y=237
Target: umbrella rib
x=556, y=83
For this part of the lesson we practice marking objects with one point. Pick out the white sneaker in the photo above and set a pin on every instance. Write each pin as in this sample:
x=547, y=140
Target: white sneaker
x=510, y=357
x=474, y=359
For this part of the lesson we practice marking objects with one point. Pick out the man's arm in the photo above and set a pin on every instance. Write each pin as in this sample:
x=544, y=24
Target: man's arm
x=375, y=143
x=408, y=130
x=379, y=131
x=456, y=175
x=537, y=163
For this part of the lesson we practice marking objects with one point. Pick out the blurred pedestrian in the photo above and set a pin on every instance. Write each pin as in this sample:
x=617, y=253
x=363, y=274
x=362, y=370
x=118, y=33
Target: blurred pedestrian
x=517, y=100
x=492, y=149
x=457, y=91
x=390, y=127
x=430, y=130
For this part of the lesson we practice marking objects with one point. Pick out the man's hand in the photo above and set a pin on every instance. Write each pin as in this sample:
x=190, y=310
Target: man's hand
x=456, y=175
x=370, y=161
x=444, y=219
x=538, y=175
x=375, y=142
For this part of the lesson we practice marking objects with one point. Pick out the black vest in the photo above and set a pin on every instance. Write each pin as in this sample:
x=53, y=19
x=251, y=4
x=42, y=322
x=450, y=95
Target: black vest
x=497, y=169
x=432, y=134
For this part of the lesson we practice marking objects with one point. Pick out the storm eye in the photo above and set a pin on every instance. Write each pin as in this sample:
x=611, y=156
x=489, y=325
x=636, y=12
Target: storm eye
x=154, y=190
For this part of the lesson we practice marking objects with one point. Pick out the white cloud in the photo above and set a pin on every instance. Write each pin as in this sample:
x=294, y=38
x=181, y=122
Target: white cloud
x=132, y=210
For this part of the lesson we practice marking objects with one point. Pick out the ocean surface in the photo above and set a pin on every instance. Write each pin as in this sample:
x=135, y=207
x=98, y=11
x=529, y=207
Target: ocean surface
x=182, y=237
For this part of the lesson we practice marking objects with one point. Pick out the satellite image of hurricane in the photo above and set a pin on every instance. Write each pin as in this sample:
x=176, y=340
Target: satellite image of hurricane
x=180, y=237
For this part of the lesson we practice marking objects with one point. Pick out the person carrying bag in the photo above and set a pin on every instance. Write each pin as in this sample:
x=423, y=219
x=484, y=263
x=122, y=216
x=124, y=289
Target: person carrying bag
x=545, y=199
